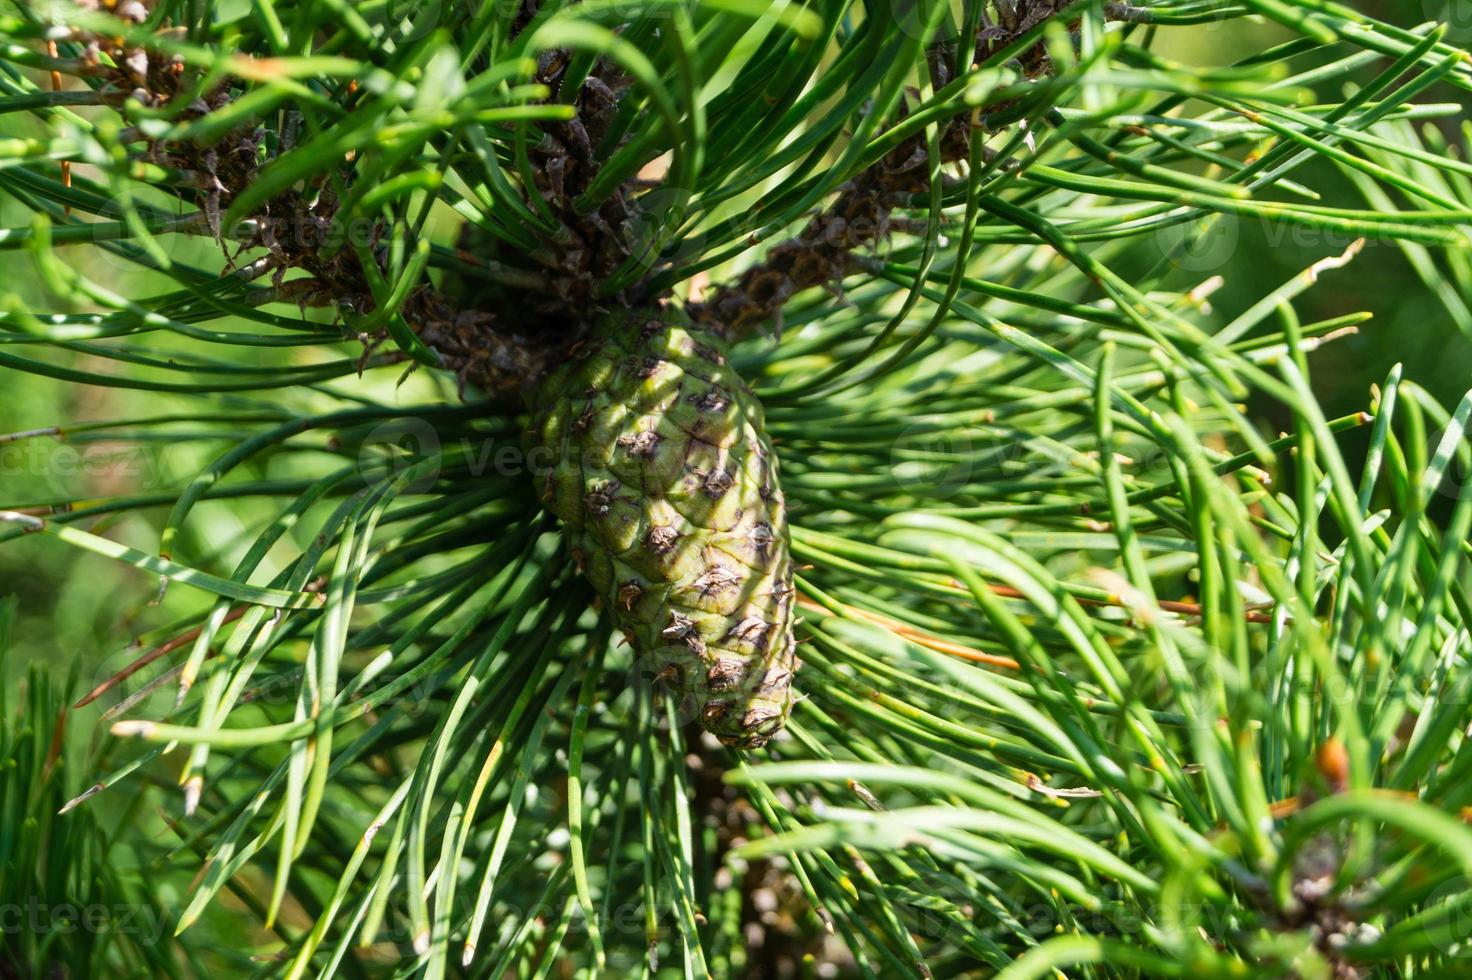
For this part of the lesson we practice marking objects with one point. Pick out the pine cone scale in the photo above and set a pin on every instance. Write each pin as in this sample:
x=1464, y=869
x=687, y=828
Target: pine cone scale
x=665, y=484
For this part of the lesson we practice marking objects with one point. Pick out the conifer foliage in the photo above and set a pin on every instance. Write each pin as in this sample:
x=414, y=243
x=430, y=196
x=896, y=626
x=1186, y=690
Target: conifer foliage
x=740, y=488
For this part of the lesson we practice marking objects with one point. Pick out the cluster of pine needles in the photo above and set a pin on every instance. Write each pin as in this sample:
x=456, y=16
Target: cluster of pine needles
x=1101, y=676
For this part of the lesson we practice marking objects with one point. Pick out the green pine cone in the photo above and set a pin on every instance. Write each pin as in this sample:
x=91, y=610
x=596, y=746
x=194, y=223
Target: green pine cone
x=656, y=460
